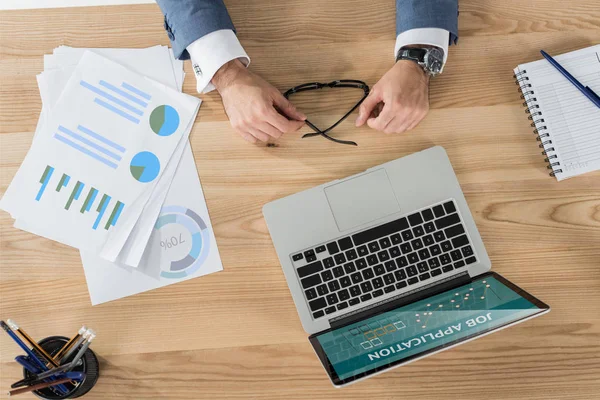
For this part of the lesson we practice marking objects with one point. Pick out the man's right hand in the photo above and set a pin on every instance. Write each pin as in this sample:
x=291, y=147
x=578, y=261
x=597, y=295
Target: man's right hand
x=256, y=109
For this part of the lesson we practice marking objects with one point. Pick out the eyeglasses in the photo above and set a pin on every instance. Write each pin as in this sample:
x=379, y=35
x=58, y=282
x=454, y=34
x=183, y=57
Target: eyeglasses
x=343, y=83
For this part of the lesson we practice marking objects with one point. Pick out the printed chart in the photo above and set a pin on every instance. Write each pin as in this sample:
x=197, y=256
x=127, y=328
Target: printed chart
x=164, y=120
x=145, y=167
x=125, y=101
x=92, y=144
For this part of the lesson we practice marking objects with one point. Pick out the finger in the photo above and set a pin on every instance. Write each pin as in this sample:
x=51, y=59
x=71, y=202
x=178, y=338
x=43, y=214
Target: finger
x=270, y=130
x=367, y=106
x=416, y=121
x=287, y=108
x=283, y=124
x=260, y=135
x=248, y=137
x=384, y=118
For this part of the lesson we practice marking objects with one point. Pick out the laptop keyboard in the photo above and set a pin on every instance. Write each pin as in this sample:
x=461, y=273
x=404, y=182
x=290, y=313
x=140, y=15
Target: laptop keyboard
x=383, y=259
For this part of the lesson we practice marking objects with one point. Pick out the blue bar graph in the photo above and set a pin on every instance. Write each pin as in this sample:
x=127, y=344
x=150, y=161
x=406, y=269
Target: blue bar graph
x=88, y=142
x=112, y=98
x=101, y=209
x=117, y=111
x=136, y=91
x=44, y=181
x=92, y=199
x=85, y=150
x=124, y=94
x=102, y=139
x=118, y=214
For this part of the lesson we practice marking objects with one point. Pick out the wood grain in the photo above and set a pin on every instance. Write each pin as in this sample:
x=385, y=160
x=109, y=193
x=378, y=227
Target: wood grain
x=237, y=332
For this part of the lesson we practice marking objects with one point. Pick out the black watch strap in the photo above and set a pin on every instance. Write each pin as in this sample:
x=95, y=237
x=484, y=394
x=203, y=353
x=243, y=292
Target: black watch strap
x=417, y=55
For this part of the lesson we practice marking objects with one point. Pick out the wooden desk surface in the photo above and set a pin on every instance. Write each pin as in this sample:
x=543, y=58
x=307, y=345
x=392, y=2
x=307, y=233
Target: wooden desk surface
x=236, y=334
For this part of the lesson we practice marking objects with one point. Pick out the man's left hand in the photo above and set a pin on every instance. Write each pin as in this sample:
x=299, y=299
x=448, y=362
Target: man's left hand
x=399, y=101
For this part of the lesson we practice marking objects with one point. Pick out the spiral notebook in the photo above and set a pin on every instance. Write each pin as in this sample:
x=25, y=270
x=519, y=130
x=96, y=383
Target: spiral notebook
x=565, y=121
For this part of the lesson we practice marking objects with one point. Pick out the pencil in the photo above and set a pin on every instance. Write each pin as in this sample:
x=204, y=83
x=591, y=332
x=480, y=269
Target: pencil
x=31, y=342
x=68, y=345
x=38, y=387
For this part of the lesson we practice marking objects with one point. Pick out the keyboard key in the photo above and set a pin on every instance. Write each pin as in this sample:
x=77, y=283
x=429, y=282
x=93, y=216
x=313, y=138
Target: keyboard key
x=333, y=248
x=447, y=268
x=418, y=231
x=424, y=277
x=470, y=260
x=345, y=243
x=390, y=266
x=380, y=231
x=332, y=299
x=318, y=314
x=311, y=281
x=311, y=258
x=422, y=266
x=338, y=271
x=340, y=258
x=436, y=272
x=401, y=262
x=412, y=281
x=341, y=306
x=445, y=259
x=362, y=251
x=400, y=275
x=467, y=251
x=368, y=273
x=343, y=295
x=351, y=255
x=377, y=283
x=405, y=247
x=374, y=247
x=433, y=263
x=396, y=238
x=356, y=278
x=333, y=286
x=435, y=250
x=449, y=207
x=446, y=246
x=427, y=214
x=349, y=268
x=456, y=255
x=383, y=256
x=388, y=279
x=353, y=302
x=309, y=253
x=454, y=231
x=401, y=285
x=379, y=270
x=407, y=235
x=345, y=281
x=355, y=291
x=460, y=241
x=320, y=249
x=378, y=293
x=330, y=310
x=439, y=236
x=413, y=258
x=366, y=297
x=417, y=244
x=389, y=289
x=361, y=263
x=326, y=275
x=395, y=252
x=317, y=304
x=428, y=240
x=429, y=227
x=322, y=290
x=459, y=264
x=372, y=259
x=328, y=262
x=447, y=221
x=385, y=243
x=310, y=294
x=412, y=270
x=310, y=269
x=439, y=211
x=366, y=287
x=297, y=257
x=415, y=219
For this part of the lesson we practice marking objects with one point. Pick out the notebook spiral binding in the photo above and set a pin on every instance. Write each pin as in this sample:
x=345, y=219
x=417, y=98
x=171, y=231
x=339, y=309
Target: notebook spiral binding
x=539, y=129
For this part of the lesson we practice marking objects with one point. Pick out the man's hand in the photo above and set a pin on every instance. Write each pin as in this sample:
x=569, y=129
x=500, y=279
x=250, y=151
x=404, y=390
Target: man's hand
x=253, y=106
x=399, y=101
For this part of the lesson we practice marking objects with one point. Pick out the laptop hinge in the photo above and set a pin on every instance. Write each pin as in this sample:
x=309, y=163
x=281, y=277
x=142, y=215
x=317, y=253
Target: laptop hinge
x=401, y=300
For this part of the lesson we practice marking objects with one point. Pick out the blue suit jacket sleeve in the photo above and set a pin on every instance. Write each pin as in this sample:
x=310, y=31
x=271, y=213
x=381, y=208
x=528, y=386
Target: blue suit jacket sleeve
x=412, y=14
x=188, y=20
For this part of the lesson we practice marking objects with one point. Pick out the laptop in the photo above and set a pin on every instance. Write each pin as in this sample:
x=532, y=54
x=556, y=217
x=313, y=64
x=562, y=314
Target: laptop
x=387, y=266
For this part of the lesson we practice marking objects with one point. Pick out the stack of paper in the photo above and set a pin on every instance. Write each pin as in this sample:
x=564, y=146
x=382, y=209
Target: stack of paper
x=111, y=172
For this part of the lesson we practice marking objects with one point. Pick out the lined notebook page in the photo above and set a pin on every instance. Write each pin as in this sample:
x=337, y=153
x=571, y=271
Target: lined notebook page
x=571, y=119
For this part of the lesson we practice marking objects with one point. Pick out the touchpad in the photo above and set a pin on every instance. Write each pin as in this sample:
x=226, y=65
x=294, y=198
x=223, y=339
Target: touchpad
x=363, y=199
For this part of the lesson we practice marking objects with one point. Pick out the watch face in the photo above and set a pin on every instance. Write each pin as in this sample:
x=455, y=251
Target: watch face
x=434, y=60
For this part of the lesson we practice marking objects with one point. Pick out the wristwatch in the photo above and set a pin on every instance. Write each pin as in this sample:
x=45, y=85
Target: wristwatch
x=431, y=59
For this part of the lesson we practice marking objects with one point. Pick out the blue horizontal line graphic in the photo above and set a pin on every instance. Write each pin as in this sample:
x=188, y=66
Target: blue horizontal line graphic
x=85, y=151
x=89, y=143
x=102, y=139
x=111, y=98
x=123, y=93
x=136, y=91
x=117, y=111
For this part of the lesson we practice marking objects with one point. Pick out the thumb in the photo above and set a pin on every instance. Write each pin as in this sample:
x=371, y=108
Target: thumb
x=366, y=108
x=287, y=108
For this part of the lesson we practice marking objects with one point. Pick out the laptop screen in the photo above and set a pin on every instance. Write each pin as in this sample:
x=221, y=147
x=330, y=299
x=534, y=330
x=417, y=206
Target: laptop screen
x=410, y=331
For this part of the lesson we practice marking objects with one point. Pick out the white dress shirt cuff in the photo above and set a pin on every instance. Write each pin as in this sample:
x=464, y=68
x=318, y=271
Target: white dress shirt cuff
x=211, y=52
x=429, y=36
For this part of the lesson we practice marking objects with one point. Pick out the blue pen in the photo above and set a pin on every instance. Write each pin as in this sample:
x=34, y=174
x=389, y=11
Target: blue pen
x=28, y=365
x=586, y=90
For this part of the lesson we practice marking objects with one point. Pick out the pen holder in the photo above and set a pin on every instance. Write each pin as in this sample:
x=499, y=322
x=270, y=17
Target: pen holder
x=89, y=366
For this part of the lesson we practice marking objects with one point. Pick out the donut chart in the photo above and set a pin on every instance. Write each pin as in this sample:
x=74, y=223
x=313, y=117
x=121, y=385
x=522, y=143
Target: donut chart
x=164, y=120
x=200, y=248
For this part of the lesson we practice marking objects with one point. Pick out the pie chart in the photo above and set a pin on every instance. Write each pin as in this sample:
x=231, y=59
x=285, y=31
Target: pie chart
x=164, y=120
x=144, y=167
